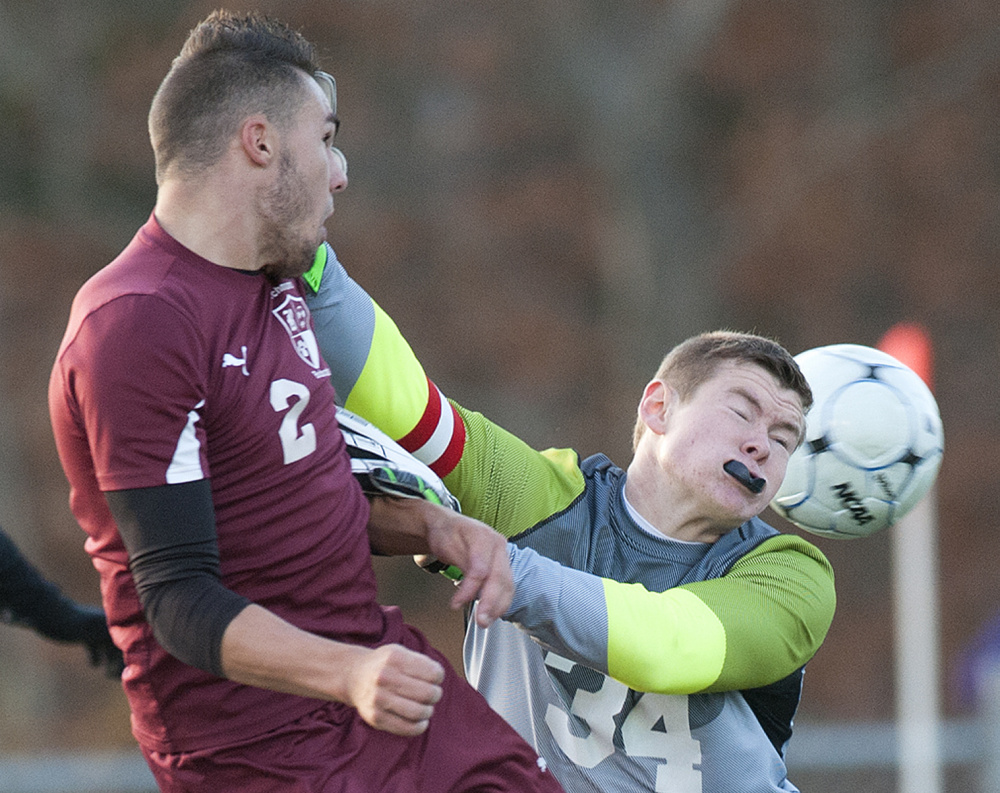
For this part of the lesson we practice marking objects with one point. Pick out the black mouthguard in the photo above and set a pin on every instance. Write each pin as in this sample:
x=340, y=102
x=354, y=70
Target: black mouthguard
x=741, y=474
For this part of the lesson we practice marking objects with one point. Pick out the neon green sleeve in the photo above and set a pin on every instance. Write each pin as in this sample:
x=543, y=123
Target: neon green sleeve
x=498, y=479
x=669, y=642
x=502, y=481
x=755, y=625
x=392, y=389
x=759, y=623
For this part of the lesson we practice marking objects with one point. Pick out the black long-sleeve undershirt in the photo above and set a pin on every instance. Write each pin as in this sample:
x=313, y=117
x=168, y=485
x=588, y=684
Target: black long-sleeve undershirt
x=169, y=533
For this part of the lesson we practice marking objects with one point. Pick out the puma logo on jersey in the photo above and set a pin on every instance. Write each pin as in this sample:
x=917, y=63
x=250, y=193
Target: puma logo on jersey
x=228, y=359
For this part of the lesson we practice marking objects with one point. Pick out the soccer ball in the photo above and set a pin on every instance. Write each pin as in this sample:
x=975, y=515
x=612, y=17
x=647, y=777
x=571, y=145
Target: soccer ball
x=872, y=447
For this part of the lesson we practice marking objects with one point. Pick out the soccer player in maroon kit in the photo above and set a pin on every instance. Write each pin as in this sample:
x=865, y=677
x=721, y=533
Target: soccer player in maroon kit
x=196, y=425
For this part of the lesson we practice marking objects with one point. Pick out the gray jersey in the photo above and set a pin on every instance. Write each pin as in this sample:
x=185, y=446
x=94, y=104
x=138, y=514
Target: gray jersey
x=595, y=732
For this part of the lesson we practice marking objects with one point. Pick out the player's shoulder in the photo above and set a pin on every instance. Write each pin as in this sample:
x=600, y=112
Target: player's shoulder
x=599, y=466
x=601, y=479
x=783, y=542
x=135, y=271
x=785, y=551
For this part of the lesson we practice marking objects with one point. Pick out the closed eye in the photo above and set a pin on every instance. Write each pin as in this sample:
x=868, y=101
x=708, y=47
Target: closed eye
x=332, y=128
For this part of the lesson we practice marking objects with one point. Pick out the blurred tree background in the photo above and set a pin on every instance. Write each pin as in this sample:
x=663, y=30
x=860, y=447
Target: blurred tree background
x=547, y=196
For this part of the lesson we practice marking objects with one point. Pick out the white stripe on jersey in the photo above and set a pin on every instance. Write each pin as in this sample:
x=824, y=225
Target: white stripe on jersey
x=185, y=466
x=437, y=444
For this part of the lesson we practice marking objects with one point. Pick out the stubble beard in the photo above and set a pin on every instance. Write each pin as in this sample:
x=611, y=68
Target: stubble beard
x=282, y=207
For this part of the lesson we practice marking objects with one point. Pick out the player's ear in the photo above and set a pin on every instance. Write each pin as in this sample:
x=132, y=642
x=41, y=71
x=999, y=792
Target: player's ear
x=257, y=139
x=657, y=403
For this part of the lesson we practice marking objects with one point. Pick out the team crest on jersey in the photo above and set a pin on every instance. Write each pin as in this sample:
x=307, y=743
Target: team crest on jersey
x=294, y=315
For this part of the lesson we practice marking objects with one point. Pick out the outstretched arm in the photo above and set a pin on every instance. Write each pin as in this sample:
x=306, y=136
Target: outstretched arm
x=377, y=376
x=373, y=365
x=754, y=626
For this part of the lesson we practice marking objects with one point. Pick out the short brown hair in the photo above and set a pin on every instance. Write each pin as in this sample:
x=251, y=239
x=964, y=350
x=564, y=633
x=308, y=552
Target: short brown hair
x=231, y=66
x=694, y=361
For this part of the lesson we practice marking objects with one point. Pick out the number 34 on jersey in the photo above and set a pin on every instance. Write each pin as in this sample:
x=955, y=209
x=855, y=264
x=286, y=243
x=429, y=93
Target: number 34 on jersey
x=655, y=726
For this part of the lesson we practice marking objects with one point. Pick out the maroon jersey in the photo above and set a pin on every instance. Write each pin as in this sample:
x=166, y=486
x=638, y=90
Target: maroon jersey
x=174, y=369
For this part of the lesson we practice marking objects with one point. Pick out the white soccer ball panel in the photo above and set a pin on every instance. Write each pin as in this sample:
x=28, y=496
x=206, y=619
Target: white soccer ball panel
x=871, y=422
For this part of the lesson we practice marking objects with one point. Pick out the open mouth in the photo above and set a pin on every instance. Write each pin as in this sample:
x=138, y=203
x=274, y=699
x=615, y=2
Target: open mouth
x=741, y=474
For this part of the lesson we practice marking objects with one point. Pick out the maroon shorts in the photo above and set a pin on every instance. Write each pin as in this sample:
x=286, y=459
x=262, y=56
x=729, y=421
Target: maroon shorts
x=467, y=747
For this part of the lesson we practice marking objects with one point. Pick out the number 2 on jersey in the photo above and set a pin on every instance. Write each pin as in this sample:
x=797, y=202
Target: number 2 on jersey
x=296, y=442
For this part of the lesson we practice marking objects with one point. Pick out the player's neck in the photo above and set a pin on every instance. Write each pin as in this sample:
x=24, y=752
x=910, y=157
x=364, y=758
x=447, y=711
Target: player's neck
x=214, y=222
x=667, y=509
